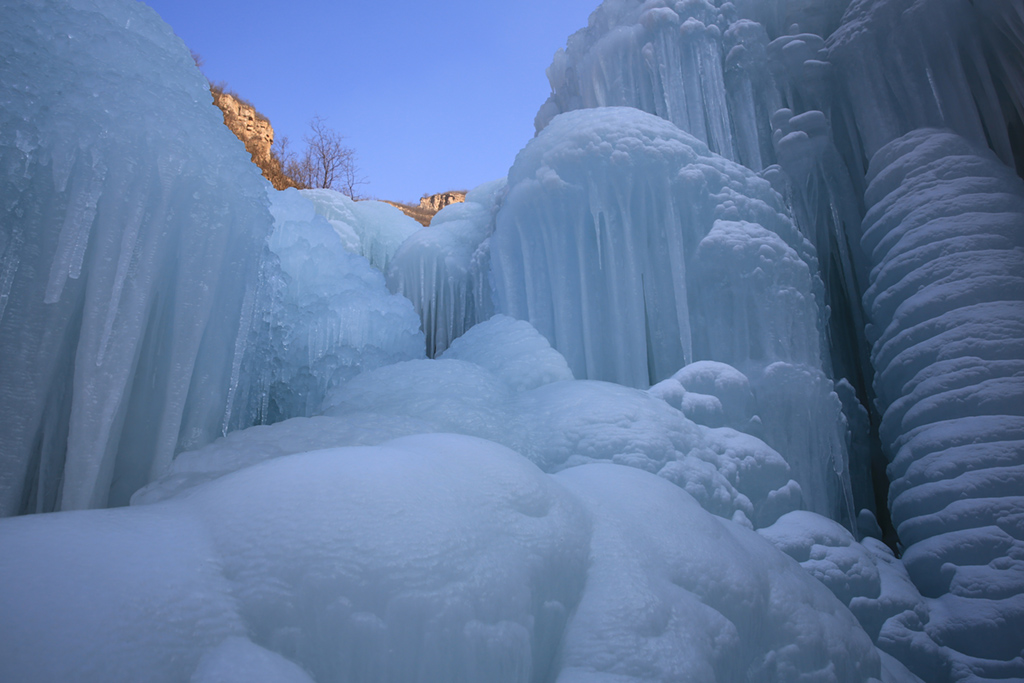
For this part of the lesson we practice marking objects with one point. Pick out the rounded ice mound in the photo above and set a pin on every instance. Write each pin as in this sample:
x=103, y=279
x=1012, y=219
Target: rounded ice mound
x=428, y=558
x=513, y=350
x=675, y=594
x=433, y=558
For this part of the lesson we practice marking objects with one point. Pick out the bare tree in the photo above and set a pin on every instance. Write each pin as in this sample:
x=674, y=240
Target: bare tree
x=326, y=162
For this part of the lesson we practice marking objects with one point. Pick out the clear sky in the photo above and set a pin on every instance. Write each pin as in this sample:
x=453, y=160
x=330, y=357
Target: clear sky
x=432, y=96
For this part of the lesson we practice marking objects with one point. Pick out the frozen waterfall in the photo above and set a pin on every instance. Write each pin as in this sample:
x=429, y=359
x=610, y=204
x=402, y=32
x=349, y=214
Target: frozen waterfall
x=723, y=382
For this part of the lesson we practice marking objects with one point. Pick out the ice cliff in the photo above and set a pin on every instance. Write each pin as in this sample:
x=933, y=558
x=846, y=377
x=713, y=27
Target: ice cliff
x=722, y=382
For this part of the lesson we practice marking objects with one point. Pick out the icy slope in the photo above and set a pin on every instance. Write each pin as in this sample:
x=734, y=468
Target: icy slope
x=946, y=303
x=130, y=238
x=373, y=229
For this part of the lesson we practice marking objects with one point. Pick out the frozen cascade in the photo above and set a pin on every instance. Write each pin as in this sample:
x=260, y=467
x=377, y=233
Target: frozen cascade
x=635, y=251
x=130, y=237
x=325, y=316
x=373, y=229
x=444, y=270
x=946, y=302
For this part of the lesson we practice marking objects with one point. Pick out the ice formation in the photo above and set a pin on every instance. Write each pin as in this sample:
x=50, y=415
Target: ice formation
x=946, y=304
x=126, y=255
x=444, y=270
x=373, y=229
x=455, y=552
x=143, y=310
x=323, y=315
x=741, y=213
x=635, y=251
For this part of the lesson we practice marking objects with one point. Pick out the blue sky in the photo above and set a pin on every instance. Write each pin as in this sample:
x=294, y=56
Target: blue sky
x=432, y=96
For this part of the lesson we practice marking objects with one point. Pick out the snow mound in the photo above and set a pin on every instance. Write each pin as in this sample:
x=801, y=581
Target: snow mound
x=429, y=558
x=554, y=422
x=513, y=350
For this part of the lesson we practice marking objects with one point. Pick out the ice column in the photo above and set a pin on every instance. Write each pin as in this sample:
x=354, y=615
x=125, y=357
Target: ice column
x=946, y=305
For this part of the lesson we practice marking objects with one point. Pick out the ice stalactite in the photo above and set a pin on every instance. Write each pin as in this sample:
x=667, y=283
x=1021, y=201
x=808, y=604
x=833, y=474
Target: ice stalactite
x=946, y=305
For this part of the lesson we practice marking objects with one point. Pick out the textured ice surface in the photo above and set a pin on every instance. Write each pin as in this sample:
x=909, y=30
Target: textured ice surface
x=946, y=304
x=149, y=301
x=866, y=577
x=323, y=316
x=635, y=250
x=444, y=270
x=374, y=229
x=429, y=558
x=130, y=234
x=901, y=74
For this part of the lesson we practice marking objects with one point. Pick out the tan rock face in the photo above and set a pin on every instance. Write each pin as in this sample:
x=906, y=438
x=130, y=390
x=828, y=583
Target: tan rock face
x=251, y=127
x=436, y=202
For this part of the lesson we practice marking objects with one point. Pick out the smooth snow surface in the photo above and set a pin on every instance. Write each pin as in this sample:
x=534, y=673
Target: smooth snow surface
x=429, y=558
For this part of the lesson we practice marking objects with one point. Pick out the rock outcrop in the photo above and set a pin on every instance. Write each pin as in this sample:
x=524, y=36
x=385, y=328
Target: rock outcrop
x=436, y=202
x=255, y=132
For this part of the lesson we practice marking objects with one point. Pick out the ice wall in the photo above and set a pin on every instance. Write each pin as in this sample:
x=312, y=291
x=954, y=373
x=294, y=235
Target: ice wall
x=946, y=305
x=635, y=251
x=129, y=240
x=149, y=301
